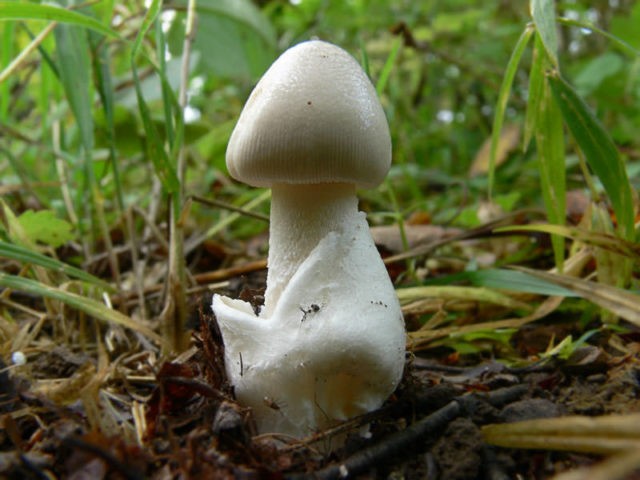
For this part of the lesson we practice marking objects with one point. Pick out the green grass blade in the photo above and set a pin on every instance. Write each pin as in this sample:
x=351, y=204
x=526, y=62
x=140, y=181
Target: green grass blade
x=618, y=42
x=501, y=279
x=515, y=281
x=599, y=150
x=87, y=305
x=503, y=98
x=24, y=255
x=105, y=88
x=5, y=59
x=544, y=18
x=154, y=142
x=32, y=11
x=364, y=60
x=388, y=66
x=622, y=303
x=478, y=294
x=161, y=46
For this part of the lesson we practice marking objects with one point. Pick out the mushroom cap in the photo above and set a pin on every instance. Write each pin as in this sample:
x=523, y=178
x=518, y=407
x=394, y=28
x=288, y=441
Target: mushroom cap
x=314, y=117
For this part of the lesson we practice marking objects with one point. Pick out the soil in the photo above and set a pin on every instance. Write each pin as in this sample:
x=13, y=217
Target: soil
x=187, y=424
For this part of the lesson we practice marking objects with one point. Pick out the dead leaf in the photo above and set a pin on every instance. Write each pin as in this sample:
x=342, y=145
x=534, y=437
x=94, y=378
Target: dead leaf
x=508, y=142
x=389, y=236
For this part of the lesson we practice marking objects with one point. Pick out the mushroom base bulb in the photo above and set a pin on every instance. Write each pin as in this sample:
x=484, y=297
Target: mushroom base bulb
x=332, y=346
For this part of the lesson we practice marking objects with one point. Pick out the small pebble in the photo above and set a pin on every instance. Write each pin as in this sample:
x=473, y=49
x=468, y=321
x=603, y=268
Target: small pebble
x=18, y=358
x=530, y=409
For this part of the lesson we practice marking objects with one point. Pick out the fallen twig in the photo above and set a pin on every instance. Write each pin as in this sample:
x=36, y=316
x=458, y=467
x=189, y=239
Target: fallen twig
x=402, y=441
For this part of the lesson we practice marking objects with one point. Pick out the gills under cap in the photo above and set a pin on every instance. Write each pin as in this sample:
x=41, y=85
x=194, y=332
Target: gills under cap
x=314, y=117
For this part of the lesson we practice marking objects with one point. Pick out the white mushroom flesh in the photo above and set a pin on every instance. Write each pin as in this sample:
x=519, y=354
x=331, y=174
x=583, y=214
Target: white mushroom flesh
x=330, y=342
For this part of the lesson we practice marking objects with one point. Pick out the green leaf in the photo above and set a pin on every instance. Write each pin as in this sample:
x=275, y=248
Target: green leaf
x=515, y=281
x=597, y=71
x=551, y=164
x=621, y=302
x=32, y=11
x=599, y=150
x=625, y=27
x=75, y=74
x=27, y=256
x=544, y=18
x=43, y=226
x=233, y=39
x=503, y=98
x=240, y=11
x=534, y=94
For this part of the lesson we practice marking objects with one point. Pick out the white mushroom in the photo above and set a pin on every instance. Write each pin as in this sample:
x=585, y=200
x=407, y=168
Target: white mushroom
x=329, y=342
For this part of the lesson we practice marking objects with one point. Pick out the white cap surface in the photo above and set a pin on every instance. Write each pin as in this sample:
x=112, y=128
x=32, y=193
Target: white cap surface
x=314, y=117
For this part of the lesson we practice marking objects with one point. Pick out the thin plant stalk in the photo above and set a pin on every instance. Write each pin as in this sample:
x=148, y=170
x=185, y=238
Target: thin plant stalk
x=175, y=309
x=25, y=52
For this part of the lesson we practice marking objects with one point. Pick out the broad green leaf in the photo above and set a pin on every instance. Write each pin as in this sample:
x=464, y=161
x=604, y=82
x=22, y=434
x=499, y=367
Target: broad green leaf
x=44, y=227
x=625, y=26
x=233, y=39
x=503, y=98
x=88, y=305
x=240, y=11
x=74, y=67
x=551, y=164
x=599, y=150
x=27, y=256
x=597, y=71
x=534, y=94
x=33, y=11
x=544, y=18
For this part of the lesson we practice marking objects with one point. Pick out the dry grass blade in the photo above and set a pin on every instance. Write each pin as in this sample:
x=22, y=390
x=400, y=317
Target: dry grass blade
x=82, y=303
x=420, y=338
x=621, y=302
x=600, y=435
x=479, y=294
x=597, y=239
x=617, y=467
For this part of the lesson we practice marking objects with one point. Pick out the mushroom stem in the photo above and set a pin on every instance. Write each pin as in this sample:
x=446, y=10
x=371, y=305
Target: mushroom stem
x=301, y=216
